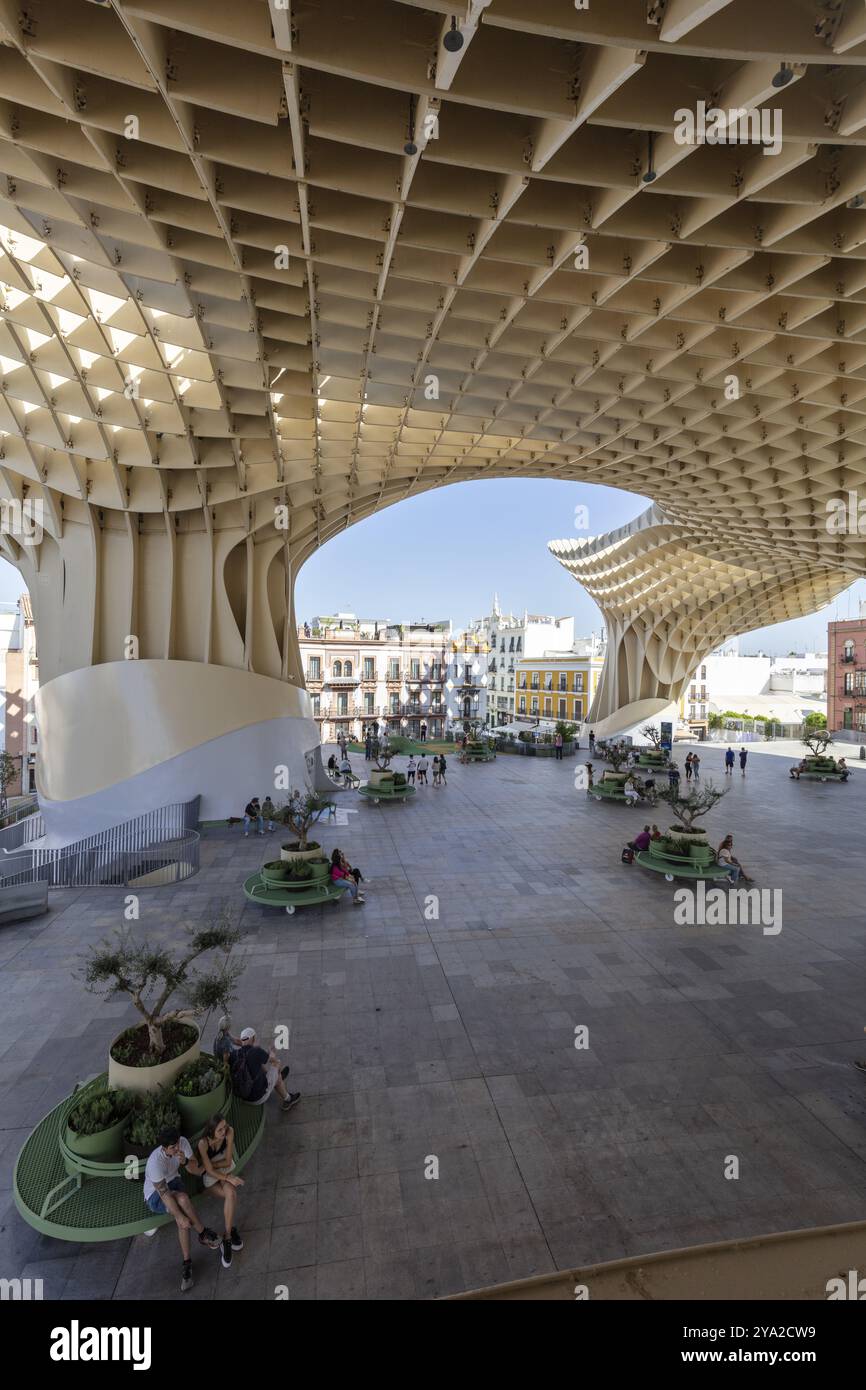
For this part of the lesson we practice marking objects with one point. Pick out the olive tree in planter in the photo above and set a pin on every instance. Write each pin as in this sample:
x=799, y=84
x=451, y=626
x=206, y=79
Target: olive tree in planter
x=150, y=1054
x=617, y=754
x=382, y=771
x=817, y=741
x=299, y=814
x=690, y=806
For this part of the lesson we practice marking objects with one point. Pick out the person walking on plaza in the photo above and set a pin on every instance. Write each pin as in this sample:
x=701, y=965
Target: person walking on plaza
x=436, y=769
x=410, y=770
x=729, y=762
x=253, y=812
x=696, y=766
x=673, y=776
x=368, y=746
x=442, y=766
x=743, y=756
x=688, y=766
x=269, y=814
x=423, y=733
x=165, y=1195
x=558, y=743
x=422, y=770
x=591, y=743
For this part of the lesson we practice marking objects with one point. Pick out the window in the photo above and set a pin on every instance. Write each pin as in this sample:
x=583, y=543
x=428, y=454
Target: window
x=317, y=701
x=563, y=680
x=369, y=705
x=519, y=647
x=511, y=647
x=548, y=705
x=338, y=668
x=534, y=705
x=347, y=668
x=859, y=682
x=548, y=681
x=415, y=668
x=435, y=671
x=521, y=684
x=314, y=668
x=578, y=680
x=369, y=668
x=394, y=670
x=703, y=673
x=562, y=709
x=535, y=681
x=849, y=683
x=848, y=653
x=502, y=647
x=523, y=704
x=395, y=703
x=342, y=704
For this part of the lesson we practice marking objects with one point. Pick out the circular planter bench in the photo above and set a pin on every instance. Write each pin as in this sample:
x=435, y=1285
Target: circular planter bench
x=386, y=791
x=291, y=897
x=700, y=862
x=95, y=1202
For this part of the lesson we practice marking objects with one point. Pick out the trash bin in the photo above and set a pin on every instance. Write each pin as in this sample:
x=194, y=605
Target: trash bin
x=863, y=752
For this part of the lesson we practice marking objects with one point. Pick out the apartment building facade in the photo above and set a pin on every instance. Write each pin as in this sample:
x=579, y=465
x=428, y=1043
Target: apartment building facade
x=364, y=673
x=557, y=685
x=846, y=677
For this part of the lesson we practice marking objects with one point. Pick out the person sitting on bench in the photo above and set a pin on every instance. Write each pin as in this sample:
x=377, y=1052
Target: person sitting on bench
x=253, y=812
x=795, y=771
x=732, y=866
x=641, y=841
x=339, y=874
x=630, y=791
x=843, y=768
x=649, y=790
x=346, y=770
x=165, y=1195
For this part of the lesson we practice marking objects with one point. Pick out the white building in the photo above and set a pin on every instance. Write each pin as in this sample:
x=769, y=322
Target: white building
x=369, y=672
x=510, y=637
x=782, y=688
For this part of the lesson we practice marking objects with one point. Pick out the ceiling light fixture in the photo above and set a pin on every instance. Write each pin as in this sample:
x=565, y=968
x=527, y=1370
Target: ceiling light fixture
x=650, y=176
x=453, y=40
x=410, y=147
x=857, y=201
x=784, y=75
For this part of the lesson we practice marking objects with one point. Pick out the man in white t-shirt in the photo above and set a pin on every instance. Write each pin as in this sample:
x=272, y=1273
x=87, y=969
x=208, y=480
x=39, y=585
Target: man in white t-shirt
x=165, y=1195
x=422, y=769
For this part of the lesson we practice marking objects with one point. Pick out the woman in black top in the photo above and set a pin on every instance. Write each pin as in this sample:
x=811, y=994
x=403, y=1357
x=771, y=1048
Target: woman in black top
x=216, y=1156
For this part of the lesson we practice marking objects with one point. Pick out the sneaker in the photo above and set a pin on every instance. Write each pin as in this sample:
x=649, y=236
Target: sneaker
x=284, y=1071
x=186, y=1277
x=226, y=1252
x=291, y=1100
x=237, y=1243
x=360, y=900
x=209, y=1238
x=246, y=834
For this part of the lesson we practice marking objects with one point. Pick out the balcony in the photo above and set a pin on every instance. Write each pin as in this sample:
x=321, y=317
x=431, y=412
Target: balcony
x=847, y=658
x=342, y=681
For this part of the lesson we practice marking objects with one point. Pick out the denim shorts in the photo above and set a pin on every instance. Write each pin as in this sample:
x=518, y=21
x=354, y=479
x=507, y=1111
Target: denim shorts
x=155, y=1202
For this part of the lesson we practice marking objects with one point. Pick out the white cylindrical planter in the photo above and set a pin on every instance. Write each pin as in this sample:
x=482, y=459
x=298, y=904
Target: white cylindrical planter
x=287, y=854
x=149, y=1078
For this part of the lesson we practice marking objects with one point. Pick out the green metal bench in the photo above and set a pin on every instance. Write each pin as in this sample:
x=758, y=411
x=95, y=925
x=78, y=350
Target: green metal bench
x=92, y=1204
x=386, y=792
x=610, y=791
x=268, y=895
x=679, y=866
x=477, y=753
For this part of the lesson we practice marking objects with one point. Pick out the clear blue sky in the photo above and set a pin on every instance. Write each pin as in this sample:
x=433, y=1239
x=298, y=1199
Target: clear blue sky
x=444, y=554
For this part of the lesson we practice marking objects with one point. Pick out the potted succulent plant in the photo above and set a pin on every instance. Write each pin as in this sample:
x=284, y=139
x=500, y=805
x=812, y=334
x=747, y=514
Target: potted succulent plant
x=150, y=1054
x=95, y=1125
x=200, y=1091
x=153, y=1112
x=274, y=872
x=299, y=814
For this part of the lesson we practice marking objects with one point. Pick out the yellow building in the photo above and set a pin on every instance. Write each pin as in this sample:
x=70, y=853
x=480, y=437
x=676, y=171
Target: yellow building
x=559, y=685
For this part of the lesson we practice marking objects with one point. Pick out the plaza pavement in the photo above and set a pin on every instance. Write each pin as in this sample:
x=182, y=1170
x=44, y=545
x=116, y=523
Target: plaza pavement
x=451, y=1036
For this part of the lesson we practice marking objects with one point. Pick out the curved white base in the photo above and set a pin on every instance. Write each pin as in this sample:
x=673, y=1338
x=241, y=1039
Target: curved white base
x=628, y=721
x=225, y=772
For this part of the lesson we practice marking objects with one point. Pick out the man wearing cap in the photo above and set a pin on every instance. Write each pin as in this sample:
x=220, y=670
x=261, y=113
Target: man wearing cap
x=264, y=1068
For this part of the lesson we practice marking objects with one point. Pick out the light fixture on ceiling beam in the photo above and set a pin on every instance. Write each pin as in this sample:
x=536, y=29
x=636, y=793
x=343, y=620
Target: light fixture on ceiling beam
x=410, y=147
x=650, y=176
x=453, y=40
x=858, y=201
x=784, y=75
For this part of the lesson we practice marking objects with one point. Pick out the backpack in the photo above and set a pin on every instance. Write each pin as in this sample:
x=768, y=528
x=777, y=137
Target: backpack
x=627, y=855
x=242, y=1080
